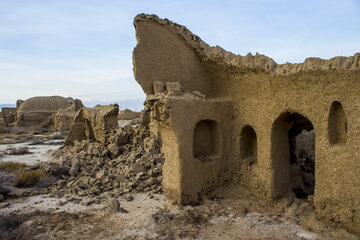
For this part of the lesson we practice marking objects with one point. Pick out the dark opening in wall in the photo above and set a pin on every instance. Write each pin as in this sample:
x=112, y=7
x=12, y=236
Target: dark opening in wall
x=293, y=156
x=248, y=145
x=207, y=140
x=337, y=125
x=89, y=132
x=305, y=164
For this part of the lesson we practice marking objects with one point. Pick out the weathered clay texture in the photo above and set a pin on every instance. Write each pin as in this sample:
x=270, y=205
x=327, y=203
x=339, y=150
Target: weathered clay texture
x=223, y=117
x=94, y=124
x=62, y=120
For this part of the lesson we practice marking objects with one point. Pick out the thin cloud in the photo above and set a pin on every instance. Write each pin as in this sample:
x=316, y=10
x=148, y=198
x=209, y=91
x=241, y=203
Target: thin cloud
x=83, y=48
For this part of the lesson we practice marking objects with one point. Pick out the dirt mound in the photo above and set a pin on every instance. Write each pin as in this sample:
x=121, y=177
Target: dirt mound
x=131, y=163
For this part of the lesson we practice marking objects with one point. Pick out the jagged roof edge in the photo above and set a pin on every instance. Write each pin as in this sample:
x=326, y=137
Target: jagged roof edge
x=249, y=61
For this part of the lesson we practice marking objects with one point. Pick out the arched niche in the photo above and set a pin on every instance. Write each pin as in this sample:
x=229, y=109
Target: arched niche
x=207, y=140
x=248, y=145
x=337, y=124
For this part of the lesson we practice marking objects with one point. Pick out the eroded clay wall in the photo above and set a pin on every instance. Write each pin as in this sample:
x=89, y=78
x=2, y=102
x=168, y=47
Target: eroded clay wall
x=276, y=102
x=94, y=124
x=159, y=45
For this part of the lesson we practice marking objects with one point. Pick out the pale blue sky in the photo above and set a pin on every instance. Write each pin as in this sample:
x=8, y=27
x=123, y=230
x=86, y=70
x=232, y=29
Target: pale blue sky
x=82, y=48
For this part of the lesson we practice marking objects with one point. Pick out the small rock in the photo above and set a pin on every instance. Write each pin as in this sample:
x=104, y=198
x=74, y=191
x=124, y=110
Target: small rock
x=131, y=185
x=29, y=223
x=75, y=168
x=112, y=206
x=150, y=181
x=17, y=192
x=40, y=228
x=122, y=210
x=4, y=190
x=129, y=198
x=82, y=193
x=1, y=197
x=159, y=179
x=100, y=174
x=138, y=167
x=4, y=205
x=60, y=203
x=114, y=150
x=87, y=202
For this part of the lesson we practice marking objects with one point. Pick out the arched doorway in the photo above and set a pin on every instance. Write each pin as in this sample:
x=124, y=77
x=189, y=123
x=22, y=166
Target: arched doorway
x=293, y=156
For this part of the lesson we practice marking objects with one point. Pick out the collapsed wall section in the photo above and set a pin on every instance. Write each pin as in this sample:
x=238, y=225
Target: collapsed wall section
x=94, y=124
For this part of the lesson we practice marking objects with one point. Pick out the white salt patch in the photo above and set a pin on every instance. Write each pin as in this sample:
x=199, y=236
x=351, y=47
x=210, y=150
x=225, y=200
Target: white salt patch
x=40, y=153
x=307, y=235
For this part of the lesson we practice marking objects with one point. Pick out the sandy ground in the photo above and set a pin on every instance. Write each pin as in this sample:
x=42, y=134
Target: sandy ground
x=254, y=226
x=139, y=221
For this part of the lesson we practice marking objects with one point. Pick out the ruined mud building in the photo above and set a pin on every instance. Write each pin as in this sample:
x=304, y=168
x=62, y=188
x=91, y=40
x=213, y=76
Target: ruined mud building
x=52, y=112
x=223, y=116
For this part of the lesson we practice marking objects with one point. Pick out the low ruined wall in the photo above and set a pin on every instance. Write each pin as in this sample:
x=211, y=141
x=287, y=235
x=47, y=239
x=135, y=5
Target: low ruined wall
x=94, y=124
x=267, y=106
x=3, y=128
x=9, y=115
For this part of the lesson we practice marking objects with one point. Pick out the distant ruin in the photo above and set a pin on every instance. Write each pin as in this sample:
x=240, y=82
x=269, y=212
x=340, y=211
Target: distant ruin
x=282, y=130
x=54, y=112
x=49, y=113
x=127, y=114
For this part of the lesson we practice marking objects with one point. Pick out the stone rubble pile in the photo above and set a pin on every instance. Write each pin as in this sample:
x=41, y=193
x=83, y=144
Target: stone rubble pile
x=91, y=171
